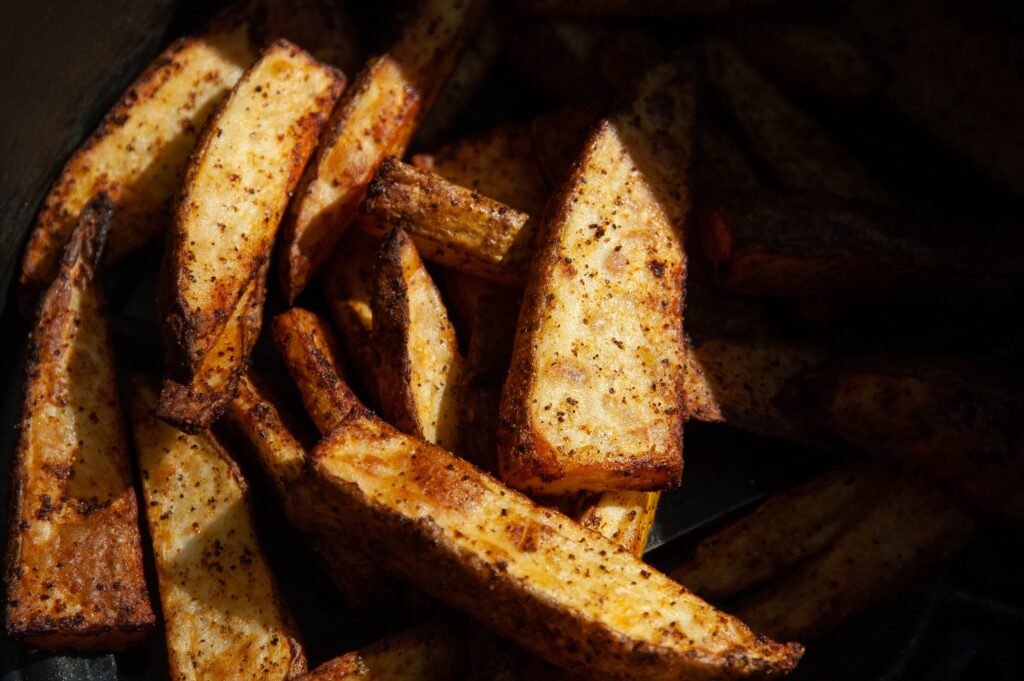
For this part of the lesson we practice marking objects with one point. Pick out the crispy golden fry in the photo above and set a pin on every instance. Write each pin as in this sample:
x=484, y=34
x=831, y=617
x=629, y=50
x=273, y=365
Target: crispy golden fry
x=433, y=651
x=790, y=144
x=636, y=8
x=450, y=224
x=812, y=246
x=199, y=401
x=466, y=539
x=470, y=73
x=238, y=183
x=959, y=424
x=74, y=558
x=593, y=398
x=811, y=57
x=307, y=348
x=223, y=615
x=784, y=530
x=959, y=79
x=912, y=527
x=348, y=283
x=374, y=120
x=138, y=153
x=737, y=382
x=419, y=366
x=499, y=164
x=626, y=518
x=254, y=413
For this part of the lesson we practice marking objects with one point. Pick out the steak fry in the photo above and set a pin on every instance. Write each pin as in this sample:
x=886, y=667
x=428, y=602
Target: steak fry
x=74, y=559
x=593, y=400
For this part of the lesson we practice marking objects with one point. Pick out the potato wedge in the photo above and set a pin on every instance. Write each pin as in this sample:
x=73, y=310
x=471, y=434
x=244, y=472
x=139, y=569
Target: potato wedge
x=196, y=403
x=788, y=142
x=308, y=351
x=499, y=164
x=959, y=424
x=801, y=245
x=450, y=224
x=138, y=153
x=74, y=558
x=419, y=366
x=348, y=283
x=238, y=183
x=374, y=120
x=466, y=539
x=787, y=528
x=472, y=70
x=593, y=398
x=222, y=611
x=625, y=518
x=816, y=58
x=737, y=382
x=910, y=529
x=433, y=651
x=255, y=415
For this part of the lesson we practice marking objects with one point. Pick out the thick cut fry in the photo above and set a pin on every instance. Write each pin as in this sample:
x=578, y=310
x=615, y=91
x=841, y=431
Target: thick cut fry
x=960, y=425
x=74, y=559
x=374, y=120
x=223, y=615
x=626, y=518
x=527, y=572
x=240, y=178
x=787, y=528
x=912, y=527
x=255, y=415
x=139, y=151
x=419, y=366
x=792, y=146
x=593, y=398
x=450, y=224
x=811, y=57
x=199, y=401
x=737, y=382
x=499, y=164
x=348, y=284
x=433, y=651
x=307, y=348
x=470, y=73
x=811, y=246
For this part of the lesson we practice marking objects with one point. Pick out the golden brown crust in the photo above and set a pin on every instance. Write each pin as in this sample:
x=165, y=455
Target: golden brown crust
x=239, y=180
x=530, y=573
x=433, y=651
x=419, y=366
x=625, y=518
x=593, y=398
x=223, y=614
x=450, y=224
x=374, y=120
x=74, y=556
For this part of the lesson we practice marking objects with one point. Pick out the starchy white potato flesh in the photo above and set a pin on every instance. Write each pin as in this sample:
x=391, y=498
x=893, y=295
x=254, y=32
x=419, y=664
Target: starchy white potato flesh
x=433, y=651
x=593, y=399
x=238, y=183
x=419, y=365
x=625, y=518
x=528, y=572
x=74, y=557
x=375, y=119
x=223, y=615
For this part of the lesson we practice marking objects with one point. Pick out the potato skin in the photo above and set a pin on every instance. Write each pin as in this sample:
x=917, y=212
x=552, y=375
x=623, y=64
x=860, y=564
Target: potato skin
x=529, y=573
x=593, y=398
x=74, y=556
